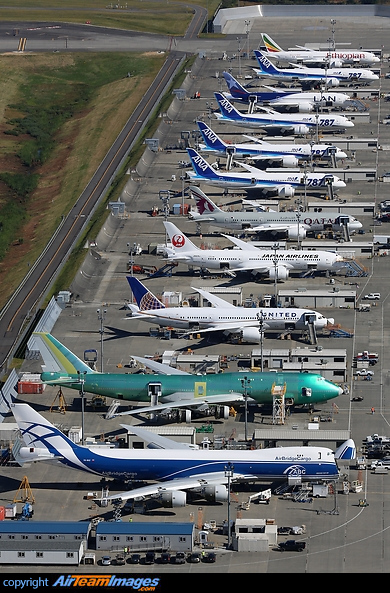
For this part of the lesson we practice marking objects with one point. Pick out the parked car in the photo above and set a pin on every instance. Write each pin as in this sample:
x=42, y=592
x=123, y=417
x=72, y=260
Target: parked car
x=364, y=373
x=180, y=558
x=106, y=560
x=120, y=560
x=372, y=296
x=150, y=558
x=284, y=530
x=193, y=558
x=292, y=545
x=209, y=557
x=165, y=558
x=134, y=559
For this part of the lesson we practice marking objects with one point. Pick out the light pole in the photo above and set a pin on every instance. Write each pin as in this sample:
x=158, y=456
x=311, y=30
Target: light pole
x=305, y=186
x=275, y=247
x=239, y=56
x=229, y=468
x=247, y=25
x=261, y=331
x=298, y=215
x=101, y=317
x=82, y=394
x=245, y=382
x=333, y=22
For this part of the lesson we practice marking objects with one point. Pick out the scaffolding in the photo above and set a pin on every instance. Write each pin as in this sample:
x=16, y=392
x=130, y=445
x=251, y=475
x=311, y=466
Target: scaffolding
x=61, y=407
x=278, y=403
x=24, y=493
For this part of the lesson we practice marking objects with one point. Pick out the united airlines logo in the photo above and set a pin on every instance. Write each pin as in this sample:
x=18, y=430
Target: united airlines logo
x=178, y=241
x=200, y=162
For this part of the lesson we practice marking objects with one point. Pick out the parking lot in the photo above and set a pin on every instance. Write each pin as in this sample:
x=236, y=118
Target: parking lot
x=340, y=535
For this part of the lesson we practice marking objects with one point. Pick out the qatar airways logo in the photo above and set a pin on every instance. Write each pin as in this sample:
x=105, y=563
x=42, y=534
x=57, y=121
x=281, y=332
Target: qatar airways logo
x=178, y=241
x=203, y=205
x=210, y=135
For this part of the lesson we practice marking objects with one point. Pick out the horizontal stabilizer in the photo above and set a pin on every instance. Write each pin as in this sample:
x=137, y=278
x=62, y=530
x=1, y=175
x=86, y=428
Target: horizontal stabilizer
x=158, y=367
x=156, y=440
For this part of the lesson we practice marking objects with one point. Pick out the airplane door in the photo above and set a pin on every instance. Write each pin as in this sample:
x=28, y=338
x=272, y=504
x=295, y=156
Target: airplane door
x=200, y=389
x=154, y=392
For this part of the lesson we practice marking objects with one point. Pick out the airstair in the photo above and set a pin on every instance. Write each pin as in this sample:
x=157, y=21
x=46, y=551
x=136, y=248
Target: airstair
x=353, y=268
x=164, y=271
x=278, y=403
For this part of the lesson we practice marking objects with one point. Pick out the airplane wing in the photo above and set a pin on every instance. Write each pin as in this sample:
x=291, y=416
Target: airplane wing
x=156, y=441
x=191, y=483
x=255, y=139
x=223, y=398
x=241, y=244
x=234, y=326
x=213, y=299
x=273, y=227
x=158, y=367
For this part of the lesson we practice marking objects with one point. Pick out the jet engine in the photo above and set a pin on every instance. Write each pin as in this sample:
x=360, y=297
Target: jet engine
x=301, y=130
x=281, y=273
x=221, y=412
x=215, y=493
x=335, y=63
x=290, y=161
x=305, y=107
x=293, y=235
x=286, y=191
x=333, y=82
x=173, y=499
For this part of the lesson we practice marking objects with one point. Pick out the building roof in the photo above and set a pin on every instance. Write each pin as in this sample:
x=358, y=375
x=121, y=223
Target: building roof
x=283, y=434
x=144, y=528
x=45, y=527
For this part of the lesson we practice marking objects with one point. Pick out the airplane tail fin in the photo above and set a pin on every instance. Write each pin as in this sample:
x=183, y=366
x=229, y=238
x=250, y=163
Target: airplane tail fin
x=210, y=138
x=265, y=65
x=56, y=357
x=237, y=91
x=146, y=301
x=228, y=111
x=43, y=440
x=180, y=242
x=203, y=204
x=271, y=46
x=346, y=451
x=201, y=166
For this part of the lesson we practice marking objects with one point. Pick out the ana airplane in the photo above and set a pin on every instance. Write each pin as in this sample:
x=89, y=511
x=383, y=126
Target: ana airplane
x=273, y=263
x=283, y=123
x=286, y=100
x=312, y=76
x=333, y=58
x=175, y=470
x=241, y=322
x=171, y=389
x=288, y=155
x=283, y=185
x=295, y=224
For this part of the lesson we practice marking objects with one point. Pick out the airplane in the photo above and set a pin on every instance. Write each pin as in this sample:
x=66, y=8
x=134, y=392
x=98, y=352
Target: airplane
x=284, y=123
x=276, y=264
x=295, y=224
x=289, y=155
x=283, y=98
x=311, y=76
x=284, y=185
x=334, y=58
x=170, y=389
x=174, y=469
x=222, y=316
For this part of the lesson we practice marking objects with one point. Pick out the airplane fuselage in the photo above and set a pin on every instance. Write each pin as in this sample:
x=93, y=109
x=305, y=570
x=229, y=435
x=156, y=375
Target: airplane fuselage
x=302, y=388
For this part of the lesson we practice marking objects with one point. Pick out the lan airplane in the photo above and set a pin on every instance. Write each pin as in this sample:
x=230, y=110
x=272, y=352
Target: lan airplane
x=276, y=264
x=172, y=388
x=281, y=99
x=284, y=185
x=301, y=74
x=174, y=470
x=263, y=221
x=273, y=121
x=288, y=155
x=222, y=316
x=333, y=58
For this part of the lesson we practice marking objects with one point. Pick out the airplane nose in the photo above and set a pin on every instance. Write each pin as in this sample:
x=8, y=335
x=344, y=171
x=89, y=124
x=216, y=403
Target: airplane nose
x=330, y=320
x=341, y=155
x=339, y=183
x=348, y=123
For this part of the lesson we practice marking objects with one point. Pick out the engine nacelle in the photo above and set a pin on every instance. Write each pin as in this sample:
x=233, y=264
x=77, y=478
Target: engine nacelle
x=335, y=63
x=333, y=82
x=294, y=235
x=301, y=130
x=287, y=191
x=174, y=499
x=216, y=493
x=290, y=161
x=221, y=412
x=251, y=335
x=305, y=107
x=281, y=273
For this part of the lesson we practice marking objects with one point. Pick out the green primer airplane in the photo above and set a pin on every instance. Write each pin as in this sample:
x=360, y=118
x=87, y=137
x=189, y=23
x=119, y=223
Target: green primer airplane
x=173, y=388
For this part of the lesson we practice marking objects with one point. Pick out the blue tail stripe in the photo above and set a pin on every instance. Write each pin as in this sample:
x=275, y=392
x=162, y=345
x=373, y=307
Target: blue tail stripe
x=210, y=138
x=227, y=109
x=201, y=167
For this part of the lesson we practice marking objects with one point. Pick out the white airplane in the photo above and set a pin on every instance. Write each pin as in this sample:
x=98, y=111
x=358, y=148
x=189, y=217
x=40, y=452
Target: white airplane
x=288, y=155
x=222, y=316
x=173, y=469
x=295, y=224
x=285, y=99
x=283, y=185
x=283, y=123
x=301, y=74
x=276, y=264
x=334, y=58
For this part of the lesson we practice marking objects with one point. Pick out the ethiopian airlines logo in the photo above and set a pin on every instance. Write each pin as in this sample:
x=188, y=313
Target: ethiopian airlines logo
x=178, y=241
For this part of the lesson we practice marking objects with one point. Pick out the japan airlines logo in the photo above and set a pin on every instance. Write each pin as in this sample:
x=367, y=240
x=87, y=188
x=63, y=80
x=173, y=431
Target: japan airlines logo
x=178, y=241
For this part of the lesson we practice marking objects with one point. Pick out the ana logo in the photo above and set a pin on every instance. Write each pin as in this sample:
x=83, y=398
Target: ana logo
x=200, y=162
x=178, y=241
x=226, y=105
x=264, y=61
x=210, y=135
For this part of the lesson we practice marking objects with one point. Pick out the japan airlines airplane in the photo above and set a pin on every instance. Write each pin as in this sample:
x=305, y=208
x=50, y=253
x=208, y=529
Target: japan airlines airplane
x=301, y=74
x=284, y=123
x=241, y=322
x=334, y=58
x=288, y=155
x=284, y=185
x=288, y=100
x=169, y=389
x=263, y=221
x=174, y=470
x=275, y=264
